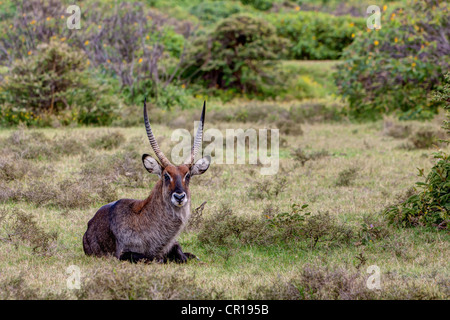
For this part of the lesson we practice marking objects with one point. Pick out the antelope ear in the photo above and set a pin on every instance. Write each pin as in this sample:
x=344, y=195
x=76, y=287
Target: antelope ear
x=151, y=164
x=201, y=166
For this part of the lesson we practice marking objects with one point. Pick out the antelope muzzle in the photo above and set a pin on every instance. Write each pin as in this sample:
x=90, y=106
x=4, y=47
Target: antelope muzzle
x=179, y=199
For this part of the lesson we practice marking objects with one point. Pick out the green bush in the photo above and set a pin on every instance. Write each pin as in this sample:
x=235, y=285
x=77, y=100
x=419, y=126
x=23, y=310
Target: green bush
x=136, y=47
x=443, y=95
x=430, y=207
x=233, y=55
x=54, y=81
x=315, y=35
x=212, y=12
x=262, y=5
x=393, y=69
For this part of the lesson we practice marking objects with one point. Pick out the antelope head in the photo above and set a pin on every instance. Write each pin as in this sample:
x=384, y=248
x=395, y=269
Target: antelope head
x=175, y=179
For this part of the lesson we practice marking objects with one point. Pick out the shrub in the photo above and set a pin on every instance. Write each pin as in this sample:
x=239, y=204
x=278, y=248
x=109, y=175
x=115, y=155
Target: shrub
x=443, y=95
x=302, y=156
x=315, y=35
x=212, y=12
x=315, y=111
x=393, y=70
x=268, y=188
x=223, y=228
x=260, y=4
x=297, y=224
x=431, y=206
x=23, y=229
x=346, y=177
x=108, y=141
x=126, y=282
x=396, y=130
x=16, y=288
x=54, y=81
x=135, y=48
x=314, y=282
x=13, y=169
x=34, y=145
x=424, y=138
x=232, y=56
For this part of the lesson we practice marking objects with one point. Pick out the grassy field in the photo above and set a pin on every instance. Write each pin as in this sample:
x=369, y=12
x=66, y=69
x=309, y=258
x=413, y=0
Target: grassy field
x=54, y=180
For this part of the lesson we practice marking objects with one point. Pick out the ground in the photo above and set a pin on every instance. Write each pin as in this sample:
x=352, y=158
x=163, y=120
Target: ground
x=414, y=261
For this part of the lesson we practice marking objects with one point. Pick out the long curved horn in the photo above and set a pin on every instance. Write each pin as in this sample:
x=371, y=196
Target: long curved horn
x=164, y=161
x=198, y=139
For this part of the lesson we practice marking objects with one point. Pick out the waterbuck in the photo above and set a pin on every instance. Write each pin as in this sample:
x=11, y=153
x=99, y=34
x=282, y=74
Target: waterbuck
x=147, y=230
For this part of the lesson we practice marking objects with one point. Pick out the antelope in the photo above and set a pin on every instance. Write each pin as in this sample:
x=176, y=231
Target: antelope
x=147, y=230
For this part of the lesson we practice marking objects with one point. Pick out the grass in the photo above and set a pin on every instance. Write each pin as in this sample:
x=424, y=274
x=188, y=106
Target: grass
x=39, y=175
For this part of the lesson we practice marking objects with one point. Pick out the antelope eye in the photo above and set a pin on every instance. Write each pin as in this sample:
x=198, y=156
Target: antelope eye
x=166, y=177
x=188, y=176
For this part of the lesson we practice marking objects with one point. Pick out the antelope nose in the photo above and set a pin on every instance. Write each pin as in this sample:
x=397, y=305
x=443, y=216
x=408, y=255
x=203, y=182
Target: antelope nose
x=179, y=196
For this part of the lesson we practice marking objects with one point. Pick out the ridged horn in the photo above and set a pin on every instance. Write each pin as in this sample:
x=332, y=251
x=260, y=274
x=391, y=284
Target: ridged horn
x=162, y=158
x=198, y=139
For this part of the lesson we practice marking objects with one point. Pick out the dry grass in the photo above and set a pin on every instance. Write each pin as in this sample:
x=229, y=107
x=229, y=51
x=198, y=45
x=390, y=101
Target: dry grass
x=59, y=180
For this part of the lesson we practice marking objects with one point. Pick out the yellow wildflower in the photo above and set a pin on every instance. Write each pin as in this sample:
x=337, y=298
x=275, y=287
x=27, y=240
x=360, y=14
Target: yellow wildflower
x=297, y=8
x=376, y=42
x=353, y=35
x=86, y=42
x=33, y=22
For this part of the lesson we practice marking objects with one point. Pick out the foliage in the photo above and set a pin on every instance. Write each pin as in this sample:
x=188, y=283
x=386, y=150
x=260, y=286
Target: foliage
x=431, y=206
x=21, y=228
x=224, y=228
x=315, y=35
x=54, y=81
x=393, y=69
x=232, y=56
x=212, y=12
x=138, y=47
x=260, y=4
x=142, y=47
x=443, y=95
x=135, y=282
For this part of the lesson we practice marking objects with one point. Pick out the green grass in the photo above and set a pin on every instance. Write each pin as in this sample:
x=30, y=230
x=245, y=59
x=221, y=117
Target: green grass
x=413, y=261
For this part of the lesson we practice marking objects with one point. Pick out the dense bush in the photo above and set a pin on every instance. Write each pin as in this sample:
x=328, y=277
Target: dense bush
x=224, y=228
x=315, y=35
x=260, y=4
x=393, y=70
x=443, y=95
x=136, y=48
x=232, y=56
x=431, y=206
x=211, y=12
x=54, y=81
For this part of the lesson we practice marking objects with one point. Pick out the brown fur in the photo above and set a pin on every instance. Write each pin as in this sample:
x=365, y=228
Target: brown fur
x=147, y=227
